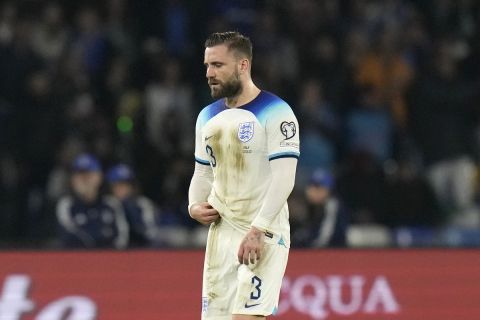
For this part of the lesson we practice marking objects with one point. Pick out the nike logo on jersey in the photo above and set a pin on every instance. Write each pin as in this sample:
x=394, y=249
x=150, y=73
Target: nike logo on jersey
x=251, y=305
x=206, y=138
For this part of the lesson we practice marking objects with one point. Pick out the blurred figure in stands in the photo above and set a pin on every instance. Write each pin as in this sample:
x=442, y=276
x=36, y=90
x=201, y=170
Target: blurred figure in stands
x=409, y=198
x=443, y=118
x=321, y=130
x=139, y=210
x=88, y=219
x=326, y=219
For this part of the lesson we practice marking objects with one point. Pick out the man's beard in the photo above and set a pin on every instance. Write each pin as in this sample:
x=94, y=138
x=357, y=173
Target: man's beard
x=228, y=89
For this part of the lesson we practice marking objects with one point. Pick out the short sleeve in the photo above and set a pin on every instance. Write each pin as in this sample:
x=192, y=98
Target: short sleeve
x=282, y=133
x=200, y=152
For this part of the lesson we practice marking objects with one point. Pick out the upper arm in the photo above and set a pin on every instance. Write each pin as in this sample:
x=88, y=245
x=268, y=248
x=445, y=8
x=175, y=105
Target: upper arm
x=284, y=170
x=201, y=156
x=282, y=133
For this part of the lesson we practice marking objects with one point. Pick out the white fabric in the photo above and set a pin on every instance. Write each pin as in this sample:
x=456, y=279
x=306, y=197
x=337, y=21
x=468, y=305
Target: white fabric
x=241, y=146
x=281, y=185
x=230, y=288
x=200, y=185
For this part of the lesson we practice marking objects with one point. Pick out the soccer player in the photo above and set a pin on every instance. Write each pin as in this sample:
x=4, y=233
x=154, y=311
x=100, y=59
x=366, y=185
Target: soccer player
x=246, y=152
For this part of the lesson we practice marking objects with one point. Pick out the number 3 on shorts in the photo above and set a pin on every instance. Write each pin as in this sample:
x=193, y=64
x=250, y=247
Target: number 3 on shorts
x=255, y=294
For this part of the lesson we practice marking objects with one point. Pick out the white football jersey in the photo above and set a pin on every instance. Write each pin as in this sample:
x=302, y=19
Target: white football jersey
x=238, y=143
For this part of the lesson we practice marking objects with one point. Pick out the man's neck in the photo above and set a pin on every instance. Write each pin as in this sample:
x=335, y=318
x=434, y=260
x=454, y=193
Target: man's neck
x=249, y=92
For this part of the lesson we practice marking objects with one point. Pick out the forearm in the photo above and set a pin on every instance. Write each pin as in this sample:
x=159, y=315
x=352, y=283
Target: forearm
x=200, y=185
x=283, y=180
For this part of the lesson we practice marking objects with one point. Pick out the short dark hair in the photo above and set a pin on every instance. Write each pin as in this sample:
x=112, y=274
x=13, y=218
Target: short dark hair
x=234, y=41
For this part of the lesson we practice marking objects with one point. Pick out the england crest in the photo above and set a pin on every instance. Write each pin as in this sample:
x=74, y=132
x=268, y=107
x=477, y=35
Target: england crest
x=245, y=131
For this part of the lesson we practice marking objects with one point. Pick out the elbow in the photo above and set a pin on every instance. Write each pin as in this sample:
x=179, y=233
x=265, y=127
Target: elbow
x=290, y=186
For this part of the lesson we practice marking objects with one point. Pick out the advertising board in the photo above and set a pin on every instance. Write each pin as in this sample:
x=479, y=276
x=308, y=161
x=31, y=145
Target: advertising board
x=319, y=284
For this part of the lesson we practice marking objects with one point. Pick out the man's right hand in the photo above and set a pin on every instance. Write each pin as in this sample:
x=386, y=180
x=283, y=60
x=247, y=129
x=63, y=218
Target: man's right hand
x=204, y=213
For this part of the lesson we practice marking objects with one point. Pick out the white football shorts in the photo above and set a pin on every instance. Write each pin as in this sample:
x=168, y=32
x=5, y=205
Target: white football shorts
x=233, y=288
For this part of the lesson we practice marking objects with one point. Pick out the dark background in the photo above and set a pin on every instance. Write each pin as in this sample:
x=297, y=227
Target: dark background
x=386, y=94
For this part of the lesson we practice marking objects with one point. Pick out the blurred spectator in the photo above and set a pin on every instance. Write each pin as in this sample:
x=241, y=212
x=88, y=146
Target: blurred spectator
x=168, y=106
x=442, y=122
x=387, y=74
x=271, y=52
x=126, y=104
x=140, y=211
x=369, y=128
x=361, y=185
x=319, y=131
x=168, y=102
x=87, y=218
x=58, y=182
x=117, y=28
x=176, y=19
x=91, y=40
x=326, y=65
x=8, y=16
x=240, y=14
x=409, y=198
x=327, y=218
x=50, y=36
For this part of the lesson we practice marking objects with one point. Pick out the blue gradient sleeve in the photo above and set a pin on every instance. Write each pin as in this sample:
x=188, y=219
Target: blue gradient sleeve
x=282, y=131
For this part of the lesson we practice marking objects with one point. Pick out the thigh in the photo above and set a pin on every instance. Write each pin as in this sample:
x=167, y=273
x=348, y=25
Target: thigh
x=258, y=286
x=231, y=288
x=220, y=272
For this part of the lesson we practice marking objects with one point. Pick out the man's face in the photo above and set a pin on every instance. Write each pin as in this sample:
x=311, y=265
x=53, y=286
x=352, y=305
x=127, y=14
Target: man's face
x=317, y=194
x=86, y=182
x=222, y=72
x=122, y=190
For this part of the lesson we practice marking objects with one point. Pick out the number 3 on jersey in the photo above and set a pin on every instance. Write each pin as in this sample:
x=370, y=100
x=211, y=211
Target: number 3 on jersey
x=257, y=282
x=209, y=150
x=256, y=292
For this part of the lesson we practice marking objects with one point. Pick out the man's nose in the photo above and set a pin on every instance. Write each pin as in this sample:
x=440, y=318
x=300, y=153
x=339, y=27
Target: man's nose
x=210, y=73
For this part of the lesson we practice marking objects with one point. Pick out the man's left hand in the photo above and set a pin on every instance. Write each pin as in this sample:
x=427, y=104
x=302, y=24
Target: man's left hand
x=251, y=247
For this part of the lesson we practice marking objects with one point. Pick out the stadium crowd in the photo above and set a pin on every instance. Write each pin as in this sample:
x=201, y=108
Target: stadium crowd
x=387, y=94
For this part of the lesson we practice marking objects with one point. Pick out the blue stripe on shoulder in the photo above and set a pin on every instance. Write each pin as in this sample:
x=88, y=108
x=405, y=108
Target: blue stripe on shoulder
x=201, y=161
x=279, y=155
x=211, y=110
x=265, y=104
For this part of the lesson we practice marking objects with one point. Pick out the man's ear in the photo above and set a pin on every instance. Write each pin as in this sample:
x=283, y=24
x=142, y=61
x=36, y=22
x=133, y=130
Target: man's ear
x=244, y=65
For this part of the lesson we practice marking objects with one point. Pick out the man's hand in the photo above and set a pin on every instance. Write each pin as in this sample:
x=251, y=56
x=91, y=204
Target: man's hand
x=204, y=213
x=251, y=247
